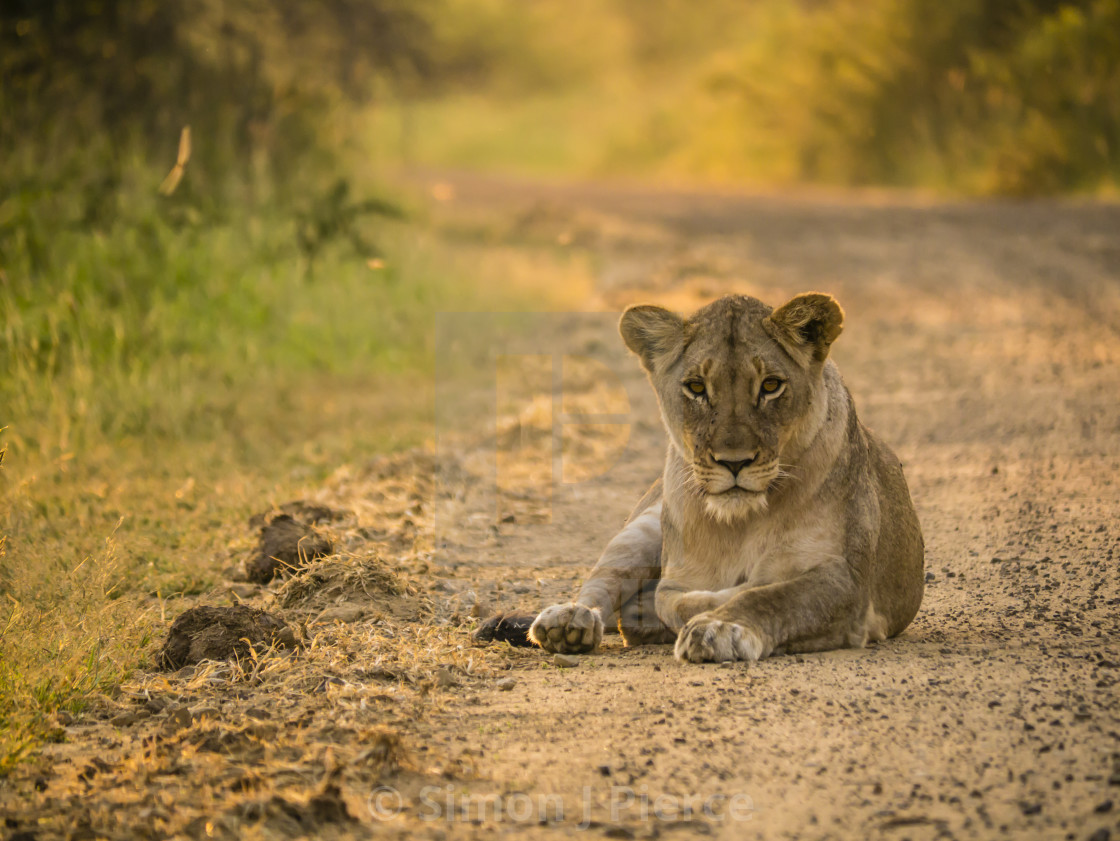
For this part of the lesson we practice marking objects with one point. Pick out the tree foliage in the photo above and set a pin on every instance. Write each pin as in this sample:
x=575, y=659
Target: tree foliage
x=93, y=82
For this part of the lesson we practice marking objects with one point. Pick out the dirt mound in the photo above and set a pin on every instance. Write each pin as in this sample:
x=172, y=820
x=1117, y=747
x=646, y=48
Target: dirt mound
x=286, y=544
x=346, y=588
x=219, y=633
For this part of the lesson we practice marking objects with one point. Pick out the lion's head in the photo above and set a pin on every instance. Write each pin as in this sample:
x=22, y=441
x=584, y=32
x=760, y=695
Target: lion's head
x=740, y=387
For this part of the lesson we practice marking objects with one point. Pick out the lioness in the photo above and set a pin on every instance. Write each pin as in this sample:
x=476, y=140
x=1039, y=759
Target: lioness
x=780, y=522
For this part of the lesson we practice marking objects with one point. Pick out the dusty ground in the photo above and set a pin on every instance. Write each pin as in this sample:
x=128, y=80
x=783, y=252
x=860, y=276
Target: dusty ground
x=981, y=341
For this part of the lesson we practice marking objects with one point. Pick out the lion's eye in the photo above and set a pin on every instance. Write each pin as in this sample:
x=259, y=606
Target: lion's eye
x=696, y=387
x=771, y=385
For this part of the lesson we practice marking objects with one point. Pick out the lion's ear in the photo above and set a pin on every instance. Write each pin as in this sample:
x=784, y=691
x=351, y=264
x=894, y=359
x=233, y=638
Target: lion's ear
x=652, y=332
x=807, y=325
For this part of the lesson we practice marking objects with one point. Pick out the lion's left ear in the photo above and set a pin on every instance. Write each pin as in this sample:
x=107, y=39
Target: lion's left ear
x=807, y=325
x=654, y=333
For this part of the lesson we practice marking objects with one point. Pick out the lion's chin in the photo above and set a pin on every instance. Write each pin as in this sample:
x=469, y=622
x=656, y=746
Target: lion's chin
x=735, y=504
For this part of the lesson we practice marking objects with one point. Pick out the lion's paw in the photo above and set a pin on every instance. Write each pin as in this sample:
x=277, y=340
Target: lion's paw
x=705, y=638
x=567, y=629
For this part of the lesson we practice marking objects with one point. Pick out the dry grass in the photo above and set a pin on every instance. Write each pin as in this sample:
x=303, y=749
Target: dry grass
x=278, y=742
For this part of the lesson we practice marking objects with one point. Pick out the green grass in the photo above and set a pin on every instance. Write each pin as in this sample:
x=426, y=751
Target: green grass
x=551, y=133
x=160, y=381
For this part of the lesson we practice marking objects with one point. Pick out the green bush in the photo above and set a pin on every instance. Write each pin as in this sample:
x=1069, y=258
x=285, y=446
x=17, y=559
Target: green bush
x=973, y=96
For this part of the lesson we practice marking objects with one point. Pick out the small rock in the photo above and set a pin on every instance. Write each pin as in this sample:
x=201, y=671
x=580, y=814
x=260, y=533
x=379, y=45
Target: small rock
x=930, y=576
x=328, y=682
x=619, y=832
x=123, y=720
x=63, y=718
x=506, y=684
x=605, y=770
x=258, y=713
x=444, y=678
x=41, y=783
x=244, y=591
x=343, y=613
x=1114, y=778
x=234, y=572
x=1102, y=808
x=565, y=661
x=1031, y=808
x=1102, y=834
x=156, y=704
x=727, y=664
x=211, y=713
x=178, y=718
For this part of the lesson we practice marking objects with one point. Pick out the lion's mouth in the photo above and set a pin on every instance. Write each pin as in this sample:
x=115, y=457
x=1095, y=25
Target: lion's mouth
x=738, y=491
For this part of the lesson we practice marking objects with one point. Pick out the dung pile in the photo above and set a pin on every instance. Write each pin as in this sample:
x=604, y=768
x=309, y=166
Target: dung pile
x=289, y=539
x=220, y=633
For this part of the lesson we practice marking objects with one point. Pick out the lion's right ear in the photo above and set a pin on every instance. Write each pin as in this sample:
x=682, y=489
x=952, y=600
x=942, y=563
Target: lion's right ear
x=652, y=332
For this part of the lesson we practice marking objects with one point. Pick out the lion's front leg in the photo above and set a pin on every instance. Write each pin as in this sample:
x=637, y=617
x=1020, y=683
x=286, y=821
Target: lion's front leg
x=815, y=611
x=568, y=628
x=677, y=603
x=706, y=638
x=630, y=561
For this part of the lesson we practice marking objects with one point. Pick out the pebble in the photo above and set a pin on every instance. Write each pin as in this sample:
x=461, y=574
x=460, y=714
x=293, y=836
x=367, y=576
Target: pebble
x=244, y=591
x=444, y=677
x=127, y=719
x=345, y=613
x=1101, y=834
x=619, y=832
x=506, y=684
x=1102, y=808
x=178, y=718
x=565, y=661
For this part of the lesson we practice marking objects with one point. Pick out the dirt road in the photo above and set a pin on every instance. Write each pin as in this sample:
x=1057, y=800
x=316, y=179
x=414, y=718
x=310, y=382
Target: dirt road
x=982, y=341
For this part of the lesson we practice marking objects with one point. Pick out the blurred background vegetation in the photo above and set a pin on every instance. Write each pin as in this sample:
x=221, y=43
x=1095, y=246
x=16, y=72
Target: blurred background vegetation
x=981, y=97
x=297, y=108
x=169, y=358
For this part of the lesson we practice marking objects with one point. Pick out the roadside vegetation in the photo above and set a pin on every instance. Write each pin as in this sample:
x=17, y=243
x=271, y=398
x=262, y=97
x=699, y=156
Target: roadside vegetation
x=193, y=327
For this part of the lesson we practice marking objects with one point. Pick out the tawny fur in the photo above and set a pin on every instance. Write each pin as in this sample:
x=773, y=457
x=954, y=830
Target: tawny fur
x=780, y=522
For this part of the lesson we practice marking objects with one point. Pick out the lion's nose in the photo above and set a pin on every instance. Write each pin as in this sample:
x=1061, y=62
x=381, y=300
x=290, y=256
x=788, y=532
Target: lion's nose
x=737, y=465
